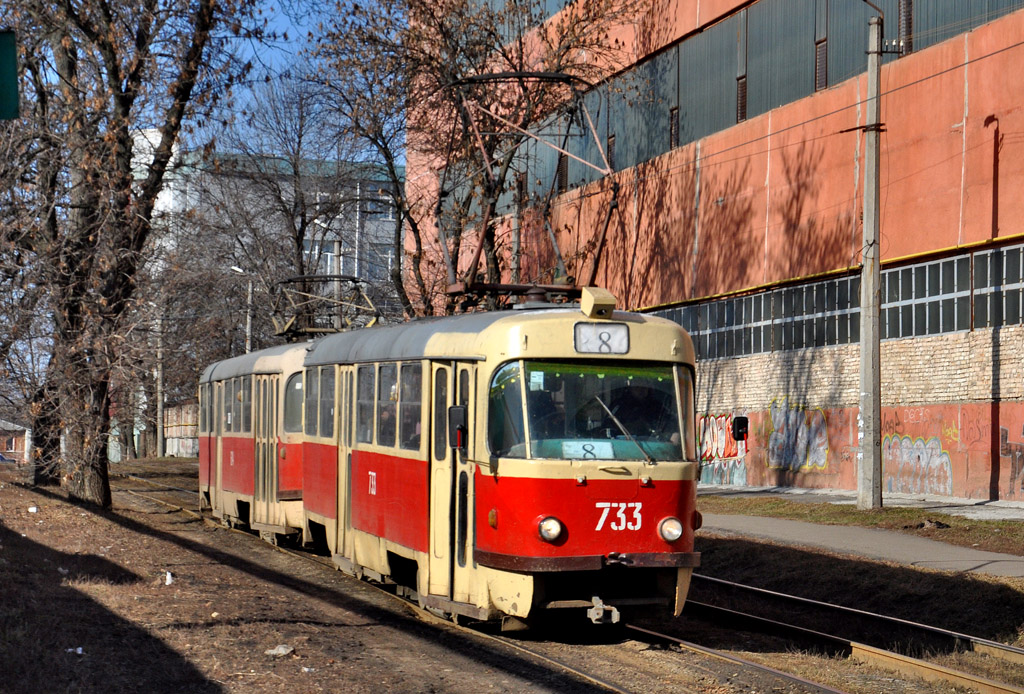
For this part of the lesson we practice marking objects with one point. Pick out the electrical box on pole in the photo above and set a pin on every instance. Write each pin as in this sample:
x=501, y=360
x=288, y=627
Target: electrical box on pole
x=9, y=101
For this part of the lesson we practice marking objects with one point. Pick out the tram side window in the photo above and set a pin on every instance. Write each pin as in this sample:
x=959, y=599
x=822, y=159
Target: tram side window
x=229, y=395
x=247, y=403
x=686, y=399
x=410, y=406
x=464, y=399
x=211, y=409
x=387, y=395
x=202, y=409
x=505, y=411
x=441, y=413
x=312, y=400
x=346, y=409
x=364, y=405
x=293, y=403
x=237, y=406
x=327, y=401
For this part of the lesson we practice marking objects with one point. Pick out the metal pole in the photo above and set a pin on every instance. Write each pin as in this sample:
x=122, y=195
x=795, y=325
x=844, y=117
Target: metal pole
x=160, y=443
x=248, y=319
x=869, y=472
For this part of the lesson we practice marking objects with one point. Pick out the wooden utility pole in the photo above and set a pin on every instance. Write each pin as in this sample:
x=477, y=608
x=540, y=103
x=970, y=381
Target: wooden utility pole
x=869, y=468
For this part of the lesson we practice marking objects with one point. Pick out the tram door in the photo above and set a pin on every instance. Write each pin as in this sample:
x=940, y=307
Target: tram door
x=265, y=430
x=450, y=482
x=217, y=445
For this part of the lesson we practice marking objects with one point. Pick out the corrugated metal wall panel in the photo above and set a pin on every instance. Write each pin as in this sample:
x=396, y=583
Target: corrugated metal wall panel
x=780, y=68
x=937, y=20
x=707, y=81
x=780, y=53
x=848, y=36
x=625, y=115
x=584, y=145
x=659, y=88
x=544, y=160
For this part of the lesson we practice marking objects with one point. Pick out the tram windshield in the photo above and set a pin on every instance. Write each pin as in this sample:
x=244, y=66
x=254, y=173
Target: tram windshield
x=580, y=410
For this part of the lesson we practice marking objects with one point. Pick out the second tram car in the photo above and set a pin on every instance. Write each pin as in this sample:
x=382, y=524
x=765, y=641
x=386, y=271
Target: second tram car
x=491, y=464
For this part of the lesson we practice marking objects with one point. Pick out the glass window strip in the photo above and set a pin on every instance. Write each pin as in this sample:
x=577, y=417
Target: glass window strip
x=980, y=290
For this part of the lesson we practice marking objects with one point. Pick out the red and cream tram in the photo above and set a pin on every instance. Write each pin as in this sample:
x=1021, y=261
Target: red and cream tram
x=493, y=464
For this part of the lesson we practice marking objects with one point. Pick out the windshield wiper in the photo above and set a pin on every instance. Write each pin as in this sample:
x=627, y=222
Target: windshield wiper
x=622, y=428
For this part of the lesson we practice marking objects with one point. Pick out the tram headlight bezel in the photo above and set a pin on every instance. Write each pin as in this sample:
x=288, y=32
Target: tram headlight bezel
x=550, y=529
x=670, y=529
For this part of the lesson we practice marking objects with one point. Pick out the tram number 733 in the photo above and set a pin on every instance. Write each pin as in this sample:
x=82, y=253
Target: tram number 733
x=623, y=519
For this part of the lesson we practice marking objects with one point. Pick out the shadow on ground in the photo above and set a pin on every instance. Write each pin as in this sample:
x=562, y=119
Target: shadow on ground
x=42, y=616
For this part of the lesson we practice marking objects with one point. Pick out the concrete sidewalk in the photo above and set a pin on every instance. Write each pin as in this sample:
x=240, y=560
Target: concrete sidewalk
x=868, y=542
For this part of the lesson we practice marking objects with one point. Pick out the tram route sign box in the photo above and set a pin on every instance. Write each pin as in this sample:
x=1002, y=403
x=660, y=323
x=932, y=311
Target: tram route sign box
x=8, y=75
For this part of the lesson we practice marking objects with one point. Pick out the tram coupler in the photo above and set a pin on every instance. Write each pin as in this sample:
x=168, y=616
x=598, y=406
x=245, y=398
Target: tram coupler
x=601, y=613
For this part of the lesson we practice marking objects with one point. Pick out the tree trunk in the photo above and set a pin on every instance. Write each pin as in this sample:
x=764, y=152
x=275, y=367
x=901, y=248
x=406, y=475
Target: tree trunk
x=45, y=460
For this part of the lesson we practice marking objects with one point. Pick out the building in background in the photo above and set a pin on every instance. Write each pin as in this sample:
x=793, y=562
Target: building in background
x=15, y=443
x=737, y=141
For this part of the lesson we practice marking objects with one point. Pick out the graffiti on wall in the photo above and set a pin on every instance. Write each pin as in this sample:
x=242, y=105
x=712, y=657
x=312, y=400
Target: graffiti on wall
x=716, y=439
x=1015, y=452
x=799, y=438
x=916, y=466
x=727, y=471
x=720, y=455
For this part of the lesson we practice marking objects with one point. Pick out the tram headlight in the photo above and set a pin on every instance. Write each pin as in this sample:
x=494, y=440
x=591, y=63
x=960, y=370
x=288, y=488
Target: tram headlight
x=550, y=529
x=670, y=529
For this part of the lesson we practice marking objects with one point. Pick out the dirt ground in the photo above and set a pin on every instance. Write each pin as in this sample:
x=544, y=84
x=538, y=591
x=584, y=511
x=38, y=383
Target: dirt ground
x=143, y=599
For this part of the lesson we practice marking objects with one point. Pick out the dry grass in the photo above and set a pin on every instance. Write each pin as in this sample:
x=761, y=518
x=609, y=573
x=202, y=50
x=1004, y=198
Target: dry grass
x=993, y=536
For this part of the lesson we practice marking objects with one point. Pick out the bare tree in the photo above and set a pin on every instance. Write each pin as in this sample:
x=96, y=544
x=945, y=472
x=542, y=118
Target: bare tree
x=470, y=79
x=286, y=193
x=95, y=72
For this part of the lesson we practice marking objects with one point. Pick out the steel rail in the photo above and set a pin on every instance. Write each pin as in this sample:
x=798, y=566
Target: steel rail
x=155, y=484
x=978, y=644
x=887, y=659
x=903, y=664
x=749, y=664
x=430, y=617
x=421, y=613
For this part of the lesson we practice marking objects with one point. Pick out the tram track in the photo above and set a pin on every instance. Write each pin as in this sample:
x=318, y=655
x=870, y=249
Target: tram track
x=953, y=639
x=536, y=652
x=887, y=658
x=883, y=658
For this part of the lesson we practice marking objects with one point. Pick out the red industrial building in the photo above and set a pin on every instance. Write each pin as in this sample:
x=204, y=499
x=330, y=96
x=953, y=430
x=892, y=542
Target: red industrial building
x=737, y=141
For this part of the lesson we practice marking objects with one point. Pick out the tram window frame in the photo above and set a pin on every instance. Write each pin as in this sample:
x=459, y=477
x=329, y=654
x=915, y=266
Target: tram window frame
x=236, y=405
x=247, y=403
x=686, y=388
x=410, y=406
x=327, y=401
x=228, y=392
x=293, y=403
x=463, y=398
x=203, y=403
x=312, y=402
x=441, y=413
x=346, y=409
x=365, y=403
x=506, y=422
x=387, y=404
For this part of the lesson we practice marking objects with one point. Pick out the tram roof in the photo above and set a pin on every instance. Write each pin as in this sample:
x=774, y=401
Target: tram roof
x=409, y=340
x=418, y=339
x=460, y=336
x=247, y=363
